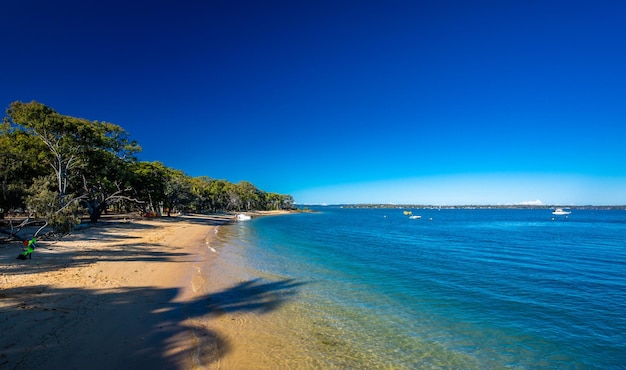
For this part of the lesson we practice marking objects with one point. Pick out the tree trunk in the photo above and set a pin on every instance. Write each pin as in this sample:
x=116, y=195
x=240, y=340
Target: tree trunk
x=95, y=215
x=95, y=208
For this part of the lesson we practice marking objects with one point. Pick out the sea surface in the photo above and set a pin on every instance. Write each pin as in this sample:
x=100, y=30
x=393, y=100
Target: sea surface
x=458, y=288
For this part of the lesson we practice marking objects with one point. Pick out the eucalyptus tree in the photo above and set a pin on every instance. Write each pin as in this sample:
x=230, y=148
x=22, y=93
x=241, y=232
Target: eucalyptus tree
x=231, y=195
x=178, y=190
x=276, y=201
x=249, y=195
x=61, y=136
x=219, y=195
x=200, y=192
x=109, y=181
x=85, y=156
x=76, y=160
x=273, y=201
x=149, y=181
x=20, y=163
x=287, y=201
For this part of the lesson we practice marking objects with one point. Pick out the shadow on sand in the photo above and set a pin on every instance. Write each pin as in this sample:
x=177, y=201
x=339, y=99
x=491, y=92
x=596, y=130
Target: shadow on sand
x=138, y=328
x=44, y=326
x=109, y=222
x=123, y=246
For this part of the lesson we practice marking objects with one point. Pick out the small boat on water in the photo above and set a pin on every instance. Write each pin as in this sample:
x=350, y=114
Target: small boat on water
x=243, y=217
x=561, y=212
x=415, y=217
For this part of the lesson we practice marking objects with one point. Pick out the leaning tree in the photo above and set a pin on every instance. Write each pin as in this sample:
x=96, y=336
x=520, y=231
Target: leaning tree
x=88, y=158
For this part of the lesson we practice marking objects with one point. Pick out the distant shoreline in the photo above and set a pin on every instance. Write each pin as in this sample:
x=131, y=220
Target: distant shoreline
x=518, y=206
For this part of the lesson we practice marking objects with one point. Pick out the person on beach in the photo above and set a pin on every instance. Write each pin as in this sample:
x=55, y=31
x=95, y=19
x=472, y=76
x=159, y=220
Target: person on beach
x=30, y=248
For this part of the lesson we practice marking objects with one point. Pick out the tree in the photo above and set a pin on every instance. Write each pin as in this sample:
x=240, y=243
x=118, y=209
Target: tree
x=248, y=194
x=94, y=163
x=232, y=198
x=200, y=193
x=287, y=201
x=108, y=182
x=19, y=168
x=61, y=136
x=219, y=195
x=44, y=201
x=149, y=181
x=20, y=163
x=74, y=145
x=178, y=190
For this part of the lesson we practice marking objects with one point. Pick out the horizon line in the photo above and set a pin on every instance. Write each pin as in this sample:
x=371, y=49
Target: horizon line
x=415, y=205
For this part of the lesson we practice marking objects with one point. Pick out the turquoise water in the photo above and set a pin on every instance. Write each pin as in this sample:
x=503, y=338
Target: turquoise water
x=454, y=289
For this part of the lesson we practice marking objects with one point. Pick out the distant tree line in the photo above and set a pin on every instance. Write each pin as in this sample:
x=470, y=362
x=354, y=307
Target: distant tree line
x=58, y=166
x=482, y=206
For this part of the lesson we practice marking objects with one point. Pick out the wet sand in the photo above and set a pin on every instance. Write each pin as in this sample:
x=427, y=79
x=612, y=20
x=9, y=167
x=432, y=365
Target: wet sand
x=251, y=312
x=139, y=294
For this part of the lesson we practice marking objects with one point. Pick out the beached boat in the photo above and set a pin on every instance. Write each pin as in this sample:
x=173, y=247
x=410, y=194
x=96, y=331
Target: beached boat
x=243, y=217
x=561, y=212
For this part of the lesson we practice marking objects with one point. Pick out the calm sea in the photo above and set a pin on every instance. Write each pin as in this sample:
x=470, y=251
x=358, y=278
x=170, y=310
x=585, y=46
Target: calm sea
x=455, y=289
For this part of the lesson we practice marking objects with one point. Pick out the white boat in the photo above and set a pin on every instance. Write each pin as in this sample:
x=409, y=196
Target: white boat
x=243, y=217
x=561, y=212
x=415, y=217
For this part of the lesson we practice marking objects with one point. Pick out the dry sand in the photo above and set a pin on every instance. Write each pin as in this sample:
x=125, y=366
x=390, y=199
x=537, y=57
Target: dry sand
x=117, y=295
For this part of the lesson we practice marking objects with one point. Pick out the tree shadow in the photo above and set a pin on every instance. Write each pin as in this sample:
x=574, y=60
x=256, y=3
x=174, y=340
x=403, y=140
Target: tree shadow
x=139, y=328
x=44, y=326
x=107, y=231
x=46, y=259
x=253, y=295
x=102, y=230
x=122, y=246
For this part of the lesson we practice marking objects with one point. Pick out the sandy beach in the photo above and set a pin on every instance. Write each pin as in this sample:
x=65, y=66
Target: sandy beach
x=126, y=294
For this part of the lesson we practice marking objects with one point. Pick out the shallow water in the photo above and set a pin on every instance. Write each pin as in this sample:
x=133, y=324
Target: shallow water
x=365, y=288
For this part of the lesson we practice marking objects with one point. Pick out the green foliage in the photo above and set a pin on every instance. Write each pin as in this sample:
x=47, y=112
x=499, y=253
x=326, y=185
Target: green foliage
x=178, y=190
x=73, y=143
x=47, y=203
x=88, y=158
x=20, y=162
x=54, y=163
x=149, y=180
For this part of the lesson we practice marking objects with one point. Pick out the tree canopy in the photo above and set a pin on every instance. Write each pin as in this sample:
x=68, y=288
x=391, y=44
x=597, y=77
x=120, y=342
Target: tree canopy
x=73, y=164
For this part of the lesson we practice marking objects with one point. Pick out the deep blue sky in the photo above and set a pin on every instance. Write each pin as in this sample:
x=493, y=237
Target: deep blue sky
x=345, y=101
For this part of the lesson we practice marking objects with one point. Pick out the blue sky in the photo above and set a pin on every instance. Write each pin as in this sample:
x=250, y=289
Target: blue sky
x=434, y=102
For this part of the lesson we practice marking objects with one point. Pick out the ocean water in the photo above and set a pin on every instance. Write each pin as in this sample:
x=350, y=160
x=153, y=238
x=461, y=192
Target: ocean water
x=463, y=289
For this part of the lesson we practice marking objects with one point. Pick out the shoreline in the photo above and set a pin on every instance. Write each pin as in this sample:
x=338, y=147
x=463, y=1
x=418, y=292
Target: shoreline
x=233, y=297
x=112, y=295
x=250, y=311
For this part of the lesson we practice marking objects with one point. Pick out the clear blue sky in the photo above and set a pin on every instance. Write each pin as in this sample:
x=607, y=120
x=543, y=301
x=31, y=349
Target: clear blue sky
x=435, y=102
